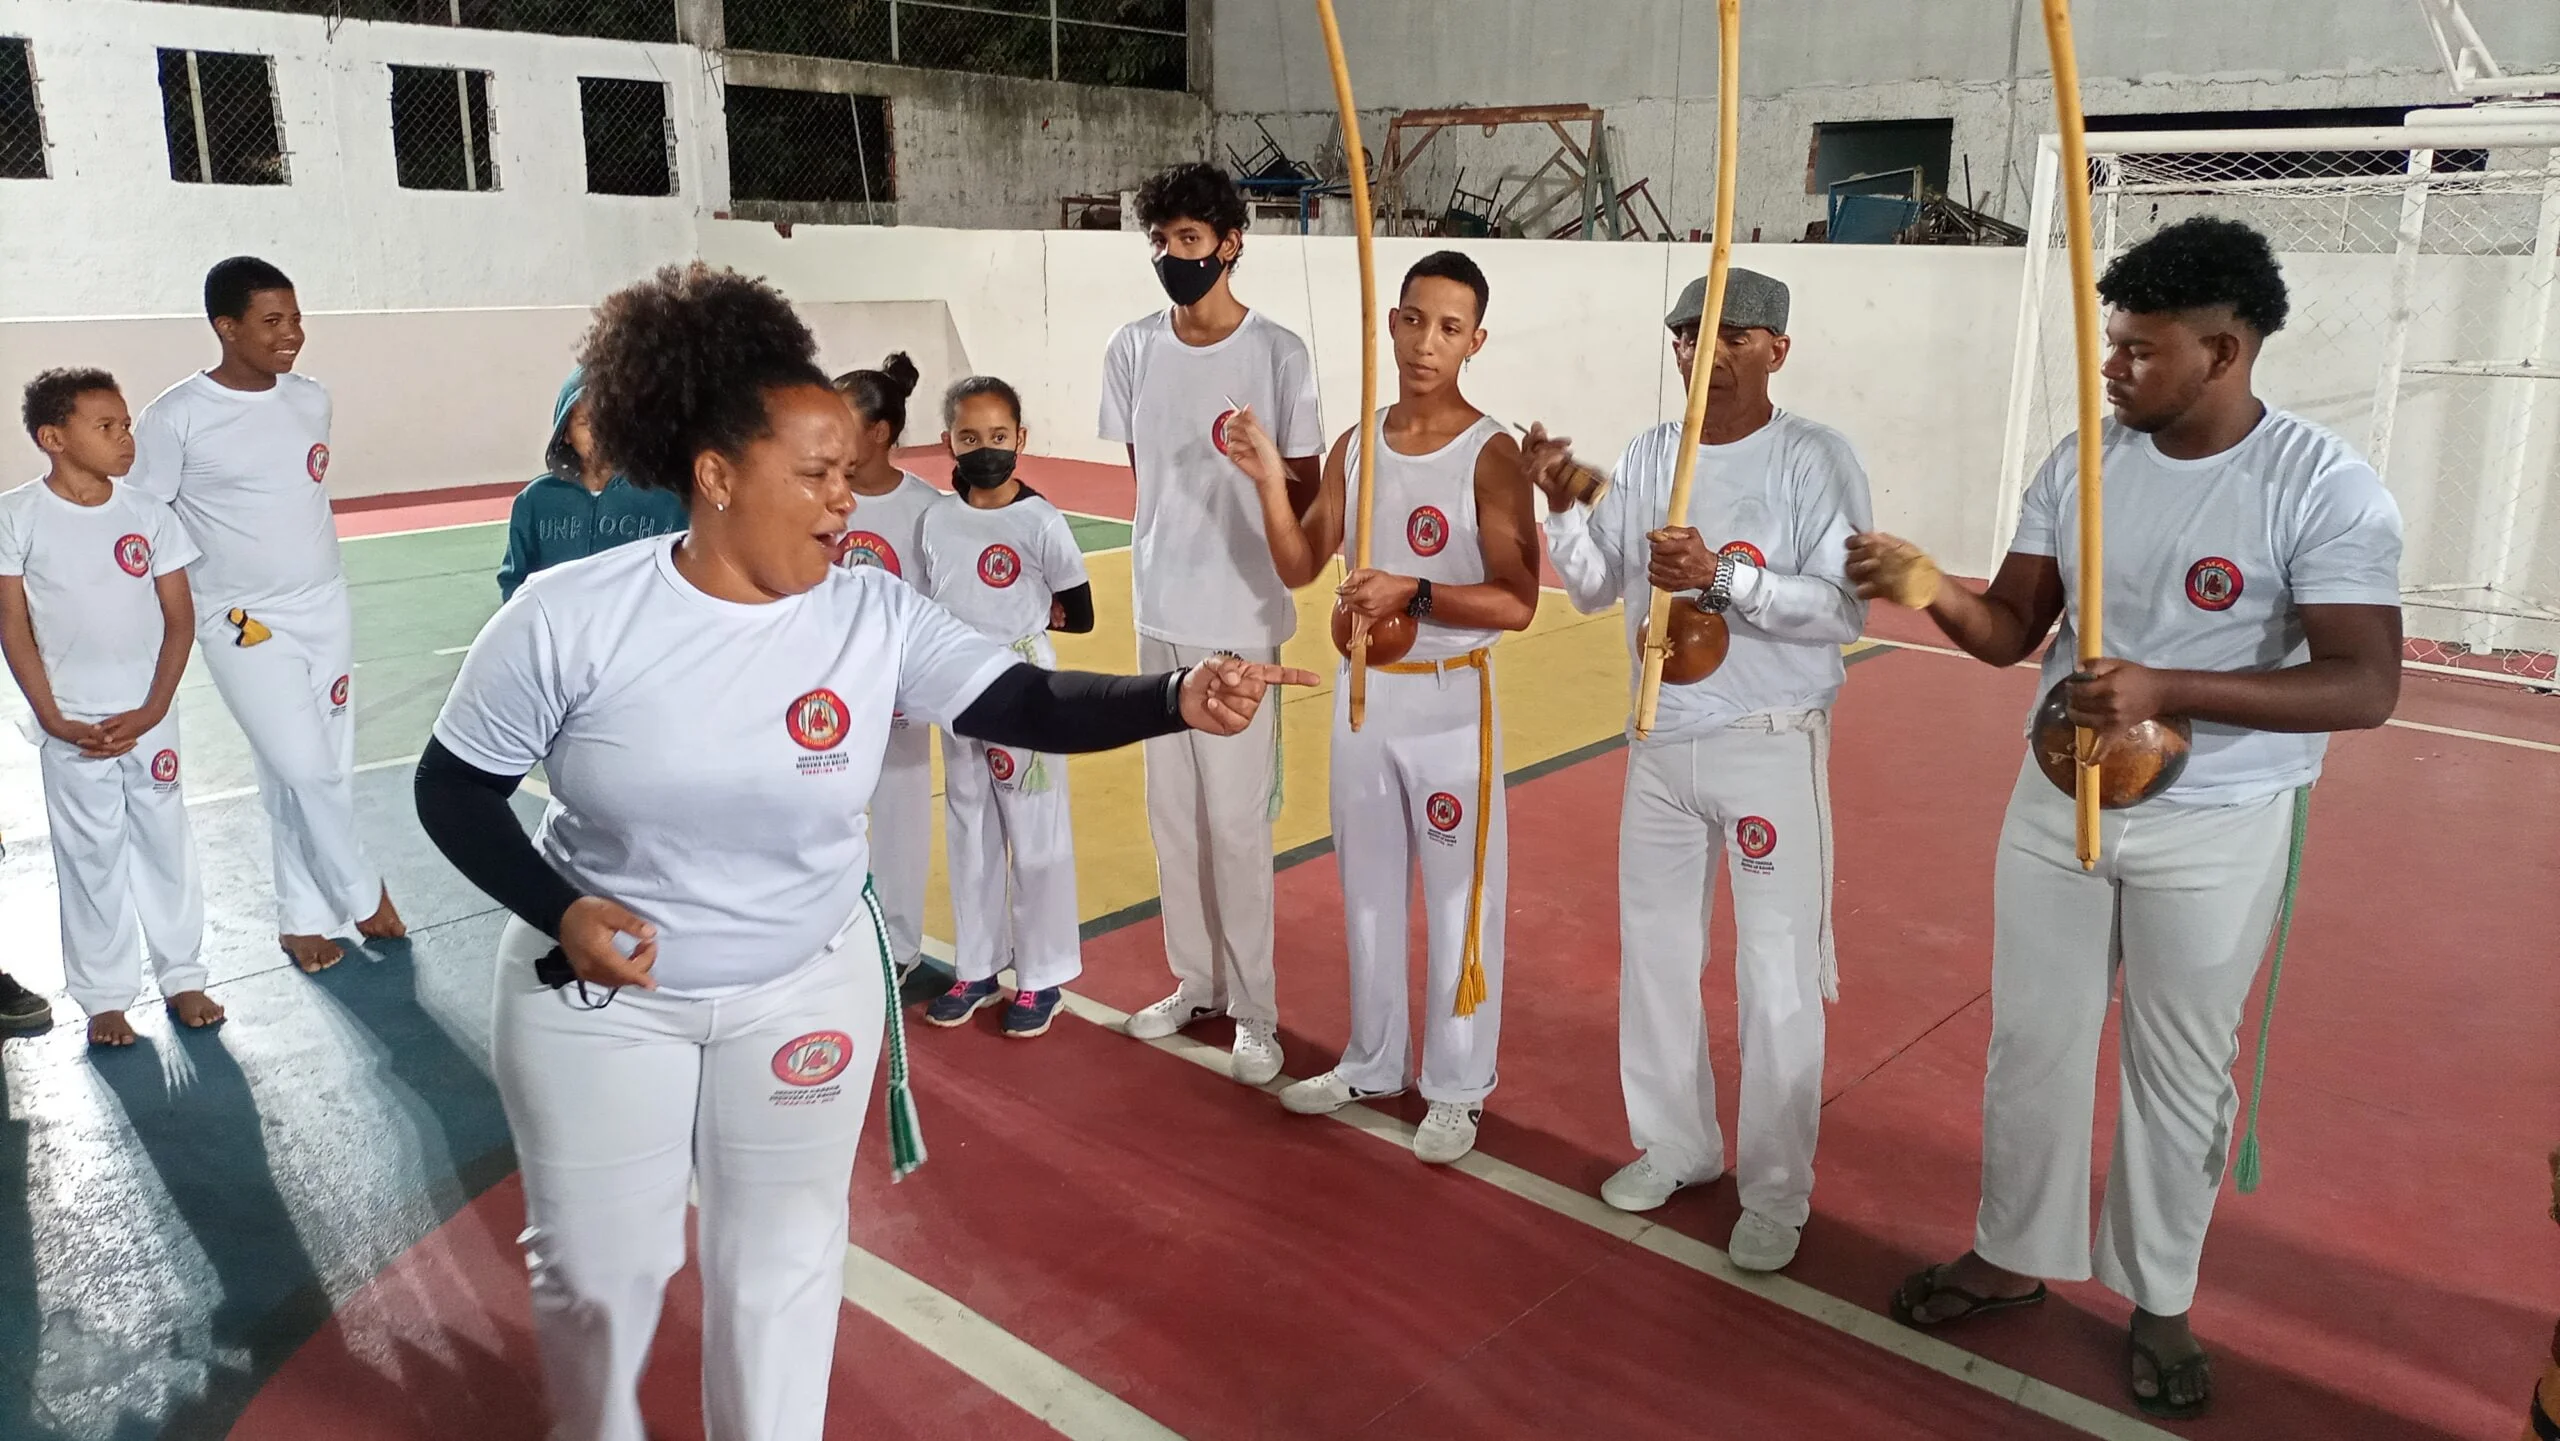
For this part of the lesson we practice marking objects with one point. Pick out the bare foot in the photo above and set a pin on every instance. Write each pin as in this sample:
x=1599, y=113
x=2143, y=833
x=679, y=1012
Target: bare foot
x=313, y=953
x=1943, y=1297
x=195, y=1010
x=110, y=1028
x=384, y=924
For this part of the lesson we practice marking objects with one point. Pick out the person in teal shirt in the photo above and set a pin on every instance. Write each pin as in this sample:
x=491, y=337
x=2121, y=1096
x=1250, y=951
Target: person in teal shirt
x=578, y=506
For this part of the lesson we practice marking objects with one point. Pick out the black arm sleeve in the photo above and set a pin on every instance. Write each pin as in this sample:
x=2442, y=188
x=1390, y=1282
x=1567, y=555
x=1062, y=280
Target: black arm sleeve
x=1075, y=610
x=464, y=810
x=1068, y=712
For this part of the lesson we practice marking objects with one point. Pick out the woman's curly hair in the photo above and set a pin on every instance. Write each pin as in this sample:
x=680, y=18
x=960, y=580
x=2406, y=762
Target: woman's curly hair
x=2200, y=262
x=679, y=364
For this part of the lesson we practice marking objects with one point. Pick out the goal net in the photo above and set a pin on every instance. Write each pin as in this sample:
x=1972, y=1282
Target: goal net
x=2420, y=261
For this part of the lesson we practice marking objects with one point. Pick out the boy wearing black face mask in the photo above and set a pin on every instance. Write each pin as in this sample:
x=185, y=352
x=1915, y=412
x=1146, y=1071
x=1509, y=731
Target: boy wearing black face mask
x=1003, y=560
x=1200, y=563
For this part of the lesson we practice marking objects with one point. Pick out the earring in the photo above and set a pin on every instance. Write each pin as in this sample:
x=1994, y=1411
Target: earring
x=720, y=505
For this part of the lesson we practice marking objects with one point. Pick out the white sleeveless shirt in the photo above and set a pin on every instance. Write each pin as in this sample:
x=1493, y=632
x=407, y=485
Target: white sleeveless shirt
x=1426, y=524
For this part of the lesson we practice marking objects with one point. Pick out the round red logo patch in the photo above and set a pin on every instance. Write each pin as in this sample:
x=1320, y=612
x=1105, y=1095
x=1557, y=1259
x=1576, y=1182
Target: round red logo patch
x=317, y=462
x=813, y=1059
x=1000, y=764
x=1443, y=811
x=1218, y=430
x=1427, y=531
x=861, y=547
x=164, y=767
x=133, y=555
x=338, y=691
x=817, y=720
x=1755, y=836
x=2213, y=583
x=1745, y=550
x=998, y=566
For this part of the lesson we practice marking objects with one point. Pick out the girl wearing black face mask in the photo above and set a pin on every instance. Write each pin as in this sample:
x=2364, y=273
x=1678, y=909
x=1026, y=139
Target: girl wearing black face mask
x=1004, y=561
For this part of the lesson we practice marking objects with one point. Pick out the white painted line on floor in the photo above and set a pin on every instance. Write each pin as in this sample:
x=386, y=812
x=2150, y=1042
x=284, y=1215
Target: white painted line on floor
x=2491, y=737
x=421, y=530
x=451, y=650
x=1882, y=1332
x=994, y=1357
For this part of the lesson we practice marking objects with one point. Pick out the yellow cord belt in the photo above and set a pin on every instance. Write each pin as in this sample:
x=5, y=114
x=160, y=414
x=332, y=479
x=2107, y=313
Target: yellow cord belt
x=1471, y=988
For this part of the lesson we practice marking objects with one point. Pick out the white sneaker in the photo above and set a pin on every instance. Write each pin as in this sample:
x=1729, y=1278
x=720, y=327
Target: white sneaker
x=1256, y=1057
x=1643, y=1184
x=1165, y=1018
x=1323, y=1095
x=1761, y=1243
x=1447, y=1132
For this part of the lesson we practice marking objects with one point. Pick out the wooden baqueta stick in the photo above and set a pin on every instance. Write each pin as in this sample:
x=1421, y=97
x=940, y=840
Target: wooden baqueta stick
x=1365, y=225
x=2084, y=314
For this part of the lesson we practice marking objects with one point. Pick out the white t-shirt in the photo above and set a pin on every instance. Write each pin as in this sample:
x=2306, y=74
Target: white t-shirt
x=999, y=569
x=883, y=529
x=1198, y=555
x=1426, y=525
x=2207, y=563
x=710, y=762
x=89, y=572
x=1785, y=499
x=246, y=471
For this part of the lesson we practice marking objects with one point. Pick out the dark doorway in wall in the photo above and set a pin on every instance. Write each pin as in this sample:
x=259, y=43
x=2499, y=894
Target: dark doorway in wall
x=1842, y=149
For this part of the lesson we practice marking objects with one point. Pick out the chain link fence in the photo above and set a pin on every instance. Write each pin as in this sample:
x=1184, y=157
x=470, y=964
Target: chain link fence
x=220, y=113
x=606, y=19
x=810, y=155
x=21, y=123
x=1133, y=43
x=440, y=129
x=2423, y=330
x=631, y=142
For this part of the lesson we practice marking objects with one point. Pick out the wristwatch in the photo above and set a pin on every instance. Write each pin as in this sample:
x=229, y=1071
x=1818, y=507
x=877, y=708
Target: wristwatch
x=1420, y=606
x=1719, y=592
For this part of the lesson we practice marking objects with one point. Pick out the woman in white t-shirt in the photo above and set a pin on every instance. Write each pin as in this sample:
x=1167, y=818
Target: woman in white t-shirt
x=693, y=990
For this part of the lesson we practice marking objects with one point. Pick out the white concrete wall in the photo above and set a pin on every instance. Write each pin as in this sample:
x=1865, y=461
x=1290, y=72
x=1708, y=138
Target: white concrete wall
x=1982, y=63
x=112, y=234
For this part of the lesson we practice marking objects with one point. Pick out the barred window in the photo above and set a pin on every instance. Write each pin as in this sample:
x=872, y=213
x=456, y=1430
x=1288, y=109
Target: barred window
x=219, y=111
x=1142, y=43
x=809, y=155
x=609, y=19
x=21, y=123
x=631, y=145
x=440, y=129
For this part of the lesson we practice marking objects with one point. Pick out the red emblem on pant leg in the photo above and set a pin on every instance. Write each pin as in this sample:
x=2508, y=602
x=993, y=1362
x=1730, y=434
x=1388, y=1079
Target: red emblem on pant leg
x=1756, y=836
x=1443, y=811
x=164, y=767
x=813, y=1059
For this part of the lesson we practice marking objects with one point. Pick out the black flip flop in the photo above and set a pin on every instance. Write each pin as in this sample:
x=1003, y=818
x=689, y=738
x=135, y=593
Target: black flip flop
x=2160, y=1405
x=1932, y=1286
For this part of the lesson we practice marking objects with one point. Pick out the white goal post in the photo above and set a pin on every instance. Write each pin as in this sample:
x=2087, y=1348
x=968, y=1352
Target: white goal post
x=2423, y=265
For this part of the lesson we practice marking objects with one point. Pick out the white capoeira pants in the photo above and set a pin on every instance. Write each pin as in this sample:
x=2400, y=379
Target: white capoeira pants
x=291, y=694
x=1761, y=787
x=757, y=1100
x=1013, y=864
x=902, y=833
x=1412, y=787
x=2181, y=906
x=1209, y=810
x=124, y=862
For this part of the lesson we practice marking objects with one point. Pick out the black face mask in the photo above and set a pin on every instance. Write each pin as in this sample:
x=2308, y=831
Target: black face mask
x=1187, y=280
x=983, y=469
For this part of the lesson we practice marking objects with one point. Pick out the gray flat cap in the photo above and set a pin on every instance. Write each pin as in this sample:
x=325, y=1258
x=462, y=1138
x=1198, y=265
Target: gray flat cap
x=1750, y=299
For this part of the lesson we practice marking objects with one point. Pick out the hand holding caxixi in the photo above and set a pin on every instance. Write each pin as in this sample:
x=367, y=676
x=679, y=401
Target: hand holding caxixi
x=1549, y=462
x=1887, y=567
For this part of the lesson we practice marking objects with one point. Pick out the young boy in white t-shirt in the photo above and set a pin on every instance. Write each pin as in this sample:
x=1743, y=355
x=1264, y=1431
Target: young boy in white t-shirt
x=1199, y=561
x=96, y=621
x=1002, y=559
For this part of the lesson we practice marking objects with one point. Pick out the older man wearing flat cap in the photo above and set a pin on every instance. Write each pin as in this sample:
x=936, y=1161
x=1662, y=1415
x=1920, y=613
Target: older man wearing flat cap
x=1737, y=765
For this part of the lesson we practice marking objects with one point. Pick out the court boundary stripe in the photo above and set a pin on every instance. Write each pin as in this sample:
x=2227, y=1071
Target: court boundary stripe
x=1042, y=1386
x=1834, y=1313
x=2491, y=737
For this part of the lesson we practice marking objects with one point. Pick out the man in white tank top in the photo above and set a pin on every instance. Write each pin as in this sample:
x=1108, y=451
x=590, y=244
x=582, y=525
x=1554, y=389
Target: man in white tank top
x=1455, y=547
x=1737, y=765
x=2252, y=588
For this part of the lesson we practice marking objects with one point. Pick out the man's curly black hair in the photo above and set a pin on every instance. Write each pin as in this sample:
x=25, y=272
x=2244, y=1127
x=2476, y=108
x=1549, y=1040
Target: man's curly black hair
x=2201, y=262
x=679, y=364
x=1192, y=192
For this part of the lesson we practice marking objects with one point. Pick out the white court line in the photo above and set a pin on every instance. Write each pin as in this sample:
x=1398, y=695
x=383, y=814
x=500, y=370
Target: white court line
x=451, y=650
x=421, y=530
x=994, y=1357
x=1882, y=1332
x=2491, y=737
